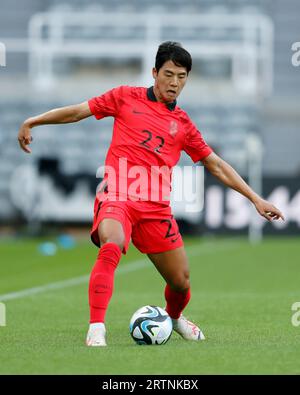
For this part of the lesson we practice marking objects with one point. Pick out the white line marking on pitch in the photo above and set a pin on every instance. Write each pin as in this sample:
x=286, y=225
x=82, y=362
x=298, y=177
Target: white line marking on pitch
x=200, y=249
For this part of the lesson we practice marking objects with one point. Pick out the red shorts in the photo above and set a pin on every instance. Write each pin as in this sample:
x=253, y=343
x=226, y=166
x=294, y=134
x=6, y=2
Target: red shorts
x=151, y=226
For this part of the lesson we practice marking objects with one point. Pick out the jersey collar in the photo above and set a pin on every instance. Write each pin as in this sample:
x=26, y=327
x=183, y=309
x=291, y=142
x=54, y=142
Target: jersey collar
x=151, y=96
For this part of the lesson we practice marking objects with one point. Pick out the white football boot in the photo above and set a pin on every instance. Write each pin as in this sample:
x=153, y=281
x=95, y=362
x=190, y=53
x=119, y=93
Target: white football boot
x=96, y=335
x=187, y=329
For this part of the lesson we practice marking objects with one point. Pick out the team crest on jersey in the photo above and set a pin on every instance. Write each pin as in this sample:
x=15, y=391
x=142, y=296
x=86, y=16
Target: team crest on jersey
x=173, y=128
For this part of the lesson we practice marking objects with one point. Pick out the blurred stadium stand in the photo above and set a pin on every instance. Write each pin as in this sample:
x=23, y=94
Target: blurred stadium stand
x=225, y=114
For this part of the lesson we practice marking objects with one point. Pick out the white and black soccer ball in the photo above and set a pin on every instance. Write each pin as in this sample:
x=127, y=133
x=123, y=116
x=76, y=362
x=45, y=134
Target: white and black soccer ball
x=150, y=325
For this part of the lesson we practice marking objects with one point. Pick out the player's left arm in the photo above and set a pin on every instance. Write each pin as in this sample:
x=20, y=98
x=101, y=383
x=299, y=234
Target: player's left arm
x=228, y=176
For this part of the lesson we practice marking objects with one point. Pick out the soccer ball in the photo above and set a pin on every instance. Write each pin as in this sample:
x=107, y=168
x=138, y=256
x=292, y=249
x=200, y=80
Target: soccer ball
x=150, y=325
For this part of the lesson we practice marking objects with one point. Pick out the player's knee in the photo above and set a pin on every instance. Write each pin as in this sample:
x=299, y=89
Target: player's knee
x=181, y=282
x=111, y=238
x=115, y=240
x=110, y=231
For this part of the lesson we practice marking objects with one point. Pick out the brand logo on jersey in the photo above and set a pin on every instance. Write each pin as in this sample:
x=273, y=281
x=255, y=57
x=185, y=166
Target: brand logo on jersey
x=173, y=128
x=138, y=112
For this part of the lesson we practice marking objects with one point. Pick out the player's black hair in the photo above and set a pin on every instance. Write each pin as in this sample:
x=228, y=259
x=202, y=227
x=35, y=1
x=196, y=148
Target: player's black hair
x=171, y=50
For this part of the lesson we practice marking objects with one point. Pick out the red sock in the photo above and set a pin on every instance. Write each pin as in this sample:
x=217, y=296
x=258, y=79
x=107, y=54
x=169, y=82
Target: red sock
x=102, y=281
x=176, y=301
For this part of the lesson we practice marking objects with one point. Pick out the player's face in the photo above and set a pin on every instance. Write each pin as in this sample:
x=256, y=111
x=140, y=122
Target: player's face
x=169, y=81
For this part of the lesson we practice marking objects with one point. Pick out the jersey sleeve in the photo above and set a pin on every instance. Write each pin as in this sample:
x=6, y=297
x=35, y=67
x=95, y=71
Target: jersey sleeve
x=106, y=105
x=194, y=144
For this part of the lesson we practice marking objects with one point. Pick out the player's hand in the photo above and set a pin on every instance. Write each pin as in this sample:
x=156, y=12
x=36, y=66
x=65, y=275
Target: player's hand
x=25, y=138
x=268, y=210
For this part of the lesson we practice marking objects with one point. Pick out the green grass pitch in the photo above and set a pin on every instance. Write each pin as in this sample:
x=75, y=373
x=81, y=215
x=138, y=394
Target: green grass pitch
x=241, y=298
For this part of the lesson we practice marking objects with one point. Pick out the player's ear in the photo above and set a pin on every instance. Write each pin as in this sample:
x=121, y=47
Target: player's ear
x=154, y=73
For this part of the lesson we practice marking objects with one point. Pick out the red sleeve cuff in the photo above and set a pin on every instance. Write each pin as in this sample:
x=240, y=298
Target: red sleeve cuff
x=93, y=109
x=201, y=155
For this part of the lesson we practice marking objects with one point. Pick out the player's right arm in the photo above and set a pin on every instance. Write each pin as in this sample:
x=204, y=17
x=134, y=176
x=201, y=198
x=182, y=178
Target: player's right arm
x=67, y=114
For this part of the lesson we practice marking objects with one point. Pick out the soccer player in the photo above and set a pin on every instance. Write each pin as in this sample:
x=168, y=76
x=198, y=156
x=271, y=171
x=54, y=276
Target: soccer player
x=132, y=201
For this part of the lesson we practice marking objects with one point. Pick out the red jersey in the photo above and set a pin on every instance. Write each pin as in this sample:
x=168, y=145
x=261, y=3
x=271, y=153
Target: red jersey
x=148, y=137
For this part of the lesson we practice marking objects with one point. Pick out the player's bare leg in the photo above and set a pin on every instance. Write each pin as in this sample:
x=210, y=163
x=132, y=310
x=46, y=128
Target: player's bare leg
x=174, y=268
x=111, y=238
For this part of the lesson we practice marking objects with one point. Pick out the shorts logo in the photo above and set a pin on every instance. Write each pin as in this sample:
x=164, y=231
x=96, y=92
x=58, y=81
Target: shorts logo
x=110, y=210
x=176, y=238
x=173, y=128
